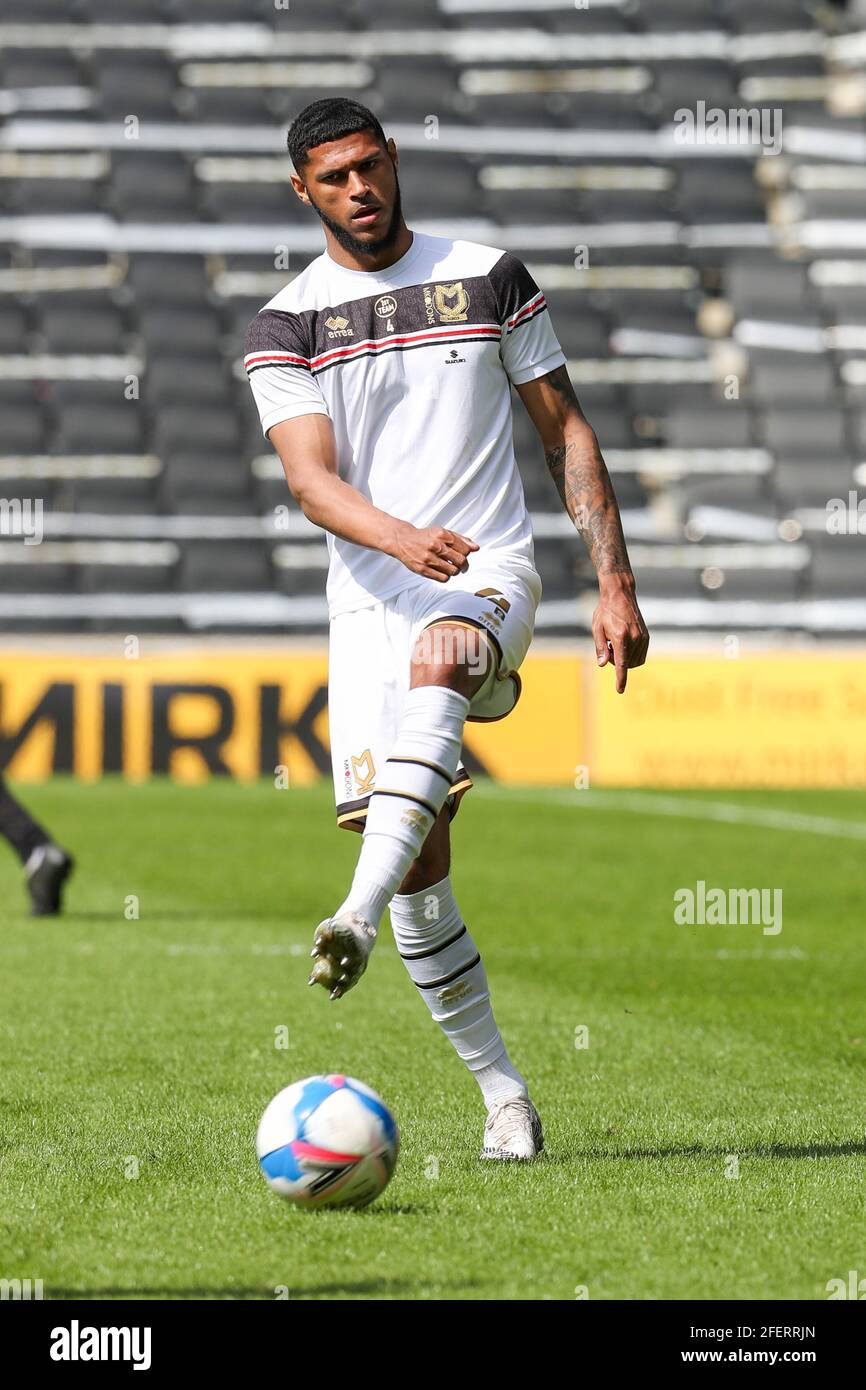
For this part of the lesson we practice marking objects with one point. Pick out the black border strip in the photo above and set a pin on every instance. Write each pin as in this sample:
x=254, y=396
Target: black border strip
x=434, y=950
x=406, y=796
x=447, y=979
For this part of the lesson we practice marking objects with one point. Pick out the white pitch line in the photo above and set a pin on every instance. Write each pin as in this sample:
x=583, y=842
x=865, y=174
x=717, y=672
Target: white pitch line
x=727, y=812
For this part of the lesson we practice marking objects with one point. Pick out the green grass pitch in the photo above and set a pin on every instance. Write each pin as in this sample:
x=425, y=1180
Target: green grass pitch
x=147, y=1046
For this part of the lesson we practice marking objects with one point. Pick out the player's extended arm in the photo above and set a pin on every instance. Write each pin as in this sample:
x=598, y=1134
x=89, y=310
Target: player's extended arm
x=584, y=485
x=308, y=453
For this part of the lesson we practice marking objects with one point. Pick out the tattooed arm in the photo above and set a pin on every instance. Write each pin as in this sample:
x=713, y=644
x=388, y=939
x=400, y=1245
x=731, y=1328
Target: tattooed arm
x=583, y=483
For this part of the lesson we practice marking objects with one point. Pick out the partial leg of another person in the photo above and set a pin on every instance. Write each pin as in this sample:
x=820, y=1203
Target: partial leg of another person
x=46, y=865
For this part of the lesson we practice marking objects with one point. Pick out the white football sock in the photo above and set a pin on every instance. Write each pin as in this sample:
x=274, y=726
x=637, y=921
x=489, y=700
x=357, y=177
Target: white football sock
x=446, y=968
x=410, y=792
x=500, y=1081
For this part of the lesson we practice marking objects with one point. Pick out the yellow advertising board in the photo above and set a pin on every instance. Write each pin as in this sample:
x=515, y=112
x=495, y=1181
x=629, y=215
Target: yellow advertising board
x=200, y=712
x=193, y=712
x=758, y=720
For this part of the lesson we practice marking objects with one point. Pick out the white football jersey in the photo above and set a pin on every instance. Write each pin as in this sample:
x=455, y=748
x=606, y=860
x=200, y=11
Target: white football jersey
x=413, y=366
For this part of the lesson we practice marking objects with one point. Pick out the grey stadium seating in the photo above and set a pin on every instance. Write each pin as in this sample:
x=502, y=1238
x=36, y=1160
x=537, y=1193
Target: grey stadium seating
x=716, y=334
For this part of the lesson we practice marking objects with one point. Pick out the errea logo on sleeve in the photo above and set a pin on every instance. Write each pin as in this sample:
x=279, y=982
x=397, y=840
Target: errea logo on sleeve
x=77, y=1343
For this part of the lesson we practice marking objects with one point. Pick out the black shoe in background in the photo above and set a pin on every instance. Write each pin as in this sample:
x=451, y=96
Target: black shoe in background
x=47, y=870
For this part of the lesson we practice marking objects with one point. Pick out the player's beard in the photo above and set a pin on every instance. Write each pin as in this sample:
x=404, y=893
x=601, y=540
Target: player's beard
x=353, y=243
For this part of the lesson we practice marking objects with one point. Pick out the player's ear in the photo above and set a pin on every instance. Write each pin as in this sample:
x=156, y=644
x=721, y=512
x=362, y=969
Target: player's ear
x=300, y=188
x=392, y=150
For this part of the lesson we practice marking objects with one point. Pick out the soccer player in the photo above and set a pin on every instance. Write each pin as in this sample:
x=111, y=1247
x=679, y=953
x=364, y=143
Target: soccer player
x=46, y=865
x=382, y=375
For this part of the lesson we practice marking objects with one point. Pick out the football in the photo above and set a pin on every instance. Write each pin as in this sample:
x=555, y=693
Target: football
x=328, y=1141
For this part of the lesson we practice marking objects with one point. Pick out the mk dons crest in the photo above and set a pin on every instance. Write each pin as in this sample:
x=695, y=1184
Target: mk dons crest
x=451, y=302
x=364, y=770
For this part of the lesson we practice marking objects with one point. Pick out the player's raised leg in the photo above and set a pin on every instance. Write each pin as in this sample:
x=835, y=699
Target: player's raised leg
x=410, y=791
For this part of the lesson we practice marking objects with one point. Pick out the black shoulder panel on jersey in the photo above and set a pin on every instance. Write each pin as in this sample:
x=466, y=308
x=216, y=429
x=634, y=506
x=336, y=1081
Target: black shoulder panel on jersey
x=513, y=286
x=274, y=330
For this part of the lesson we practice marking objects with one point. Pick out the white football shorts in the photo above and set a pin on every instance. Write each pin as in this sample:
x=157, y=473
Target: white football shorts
x=369, y=667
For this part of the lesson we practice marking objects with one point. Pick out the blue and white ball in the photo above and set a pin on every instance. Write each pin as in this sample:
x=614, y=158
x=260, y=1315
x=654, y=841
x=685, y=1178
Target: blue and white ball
x=329, y=1141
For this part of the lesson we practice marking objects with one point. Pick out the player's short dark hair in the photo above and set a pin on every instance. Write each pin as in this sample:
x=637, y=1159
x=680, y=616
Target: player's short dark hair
x=332, y=118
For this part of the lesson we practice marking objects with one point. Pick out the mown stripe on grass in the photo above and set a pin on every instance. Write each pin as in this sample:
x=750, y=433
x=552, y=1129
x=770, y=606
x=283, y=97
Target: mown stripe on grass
x=690, y=808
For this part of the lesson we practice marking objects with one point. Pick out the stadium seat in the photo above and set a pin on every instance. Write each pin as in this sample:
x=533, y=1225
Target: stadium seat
x=14, y=328
x=653, y=582
x=112, y=496
x=314, y=14
x=35, y=578
x=519, y=110
x=76, y=324
x=215, y=11
x=764, y=286
x=180, y=379
x=439, y=185
x=718, y=191
x=744, y=17
x=417, y=88
x=580, y=334
x=394, y=14
x=252, y=203
x=761, y=585
x=682, y=84
x=834, y=204
x=169, y=330
x=100, y=429
x=837, y=568
x=716, y=426
x=791, y=376
x=126, y=579
x=229, y=566
x=130, y=83
x=151, y=187
x=231, y=106
x=53, y=197
x=188, y=427
x=173, y=280
x=24, y=68
x=23, y=428
x=126, y=11
x=269, y=493
x=679, y=16
x=810, y=481
x=592, y=19
x=44, y=11
x=627, y=205
x=197, y=475
x=739, y=492
x=819, y=432
x=557, y=563
x=299, y=569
